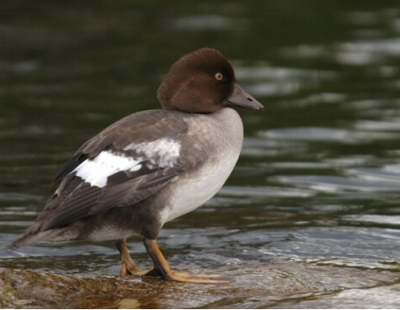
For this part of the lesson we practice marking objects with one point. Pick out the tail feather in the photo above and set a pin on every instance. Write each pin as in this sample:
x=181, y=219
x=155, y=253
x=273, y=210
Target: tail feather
x=33, y=235
x=22, y=241
x=28, y=237
x=35, y=232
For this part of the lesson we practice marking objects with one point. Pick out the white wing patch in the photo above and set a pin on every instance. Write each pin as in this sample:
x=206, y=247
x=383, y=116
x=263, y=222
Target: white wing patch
x=165, y=151
x=161, y=152
x=96, y=171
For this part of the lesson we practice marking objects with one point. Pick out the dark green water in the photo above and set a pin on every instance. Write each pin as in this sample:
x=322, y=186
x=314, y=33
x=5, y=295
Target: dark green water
x=319, y=176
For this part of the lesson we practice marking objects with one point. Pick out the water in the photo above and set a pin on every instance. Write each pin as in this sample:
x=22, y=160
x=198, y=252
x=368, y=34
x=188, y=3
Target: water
x=319, y=176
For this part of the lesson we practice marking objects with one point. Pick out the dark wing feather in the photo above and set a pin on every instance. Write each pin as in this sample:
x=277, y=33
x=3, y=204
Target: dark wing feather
x=87, y=200
x=72, y=208
x=70, y=165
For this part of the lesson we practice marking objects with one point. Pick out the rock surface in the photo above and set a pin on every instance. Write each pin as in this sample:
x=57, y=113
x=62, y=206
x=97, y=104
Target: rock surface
x=276, y=284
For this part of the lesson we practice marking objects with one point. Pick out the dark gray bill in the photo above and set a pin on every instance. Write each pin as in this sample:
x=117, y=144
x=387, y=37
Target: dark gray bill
x=241, y=98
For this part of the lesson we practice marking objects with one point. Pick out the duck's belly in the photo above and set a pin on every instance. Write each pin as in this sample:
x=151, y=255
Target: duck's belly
x=193, y=190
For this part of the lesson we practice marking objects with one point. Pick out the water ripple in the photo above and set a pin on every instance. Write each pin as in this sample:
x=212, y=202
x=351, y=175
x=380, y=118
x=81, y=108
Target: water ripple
x=326, y=135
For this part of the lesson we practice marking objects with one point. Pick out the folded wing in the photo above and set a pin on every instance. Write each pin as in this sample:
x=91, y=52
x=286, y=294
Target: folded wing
x=128, y=162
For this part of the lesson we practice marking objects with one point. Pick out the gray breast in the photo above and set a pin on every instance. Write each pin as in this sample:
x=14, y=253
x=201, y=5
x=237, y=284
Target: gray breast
x=212, y=146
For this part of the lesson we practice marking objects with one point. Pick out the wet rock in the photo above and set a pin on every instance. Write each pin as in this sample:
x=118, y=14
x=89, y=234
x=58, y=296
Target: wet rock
x=378, y=297
x=276, y=284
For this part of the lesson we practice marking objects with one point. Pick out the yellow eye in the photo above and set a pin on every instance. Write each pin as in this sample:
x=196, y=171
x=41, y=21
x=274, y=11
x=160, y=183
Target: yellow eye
x=219, y=76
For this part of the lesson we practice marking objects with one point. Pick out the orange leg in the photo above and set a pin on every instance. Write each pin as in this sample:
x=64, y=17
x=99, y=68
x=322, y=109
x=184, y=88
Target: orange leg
x=163, y=268
x=128, y=266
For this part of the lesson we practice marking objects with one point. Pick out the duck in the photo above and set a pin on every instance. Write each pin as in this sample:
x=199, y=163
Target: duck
x=151, y=167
